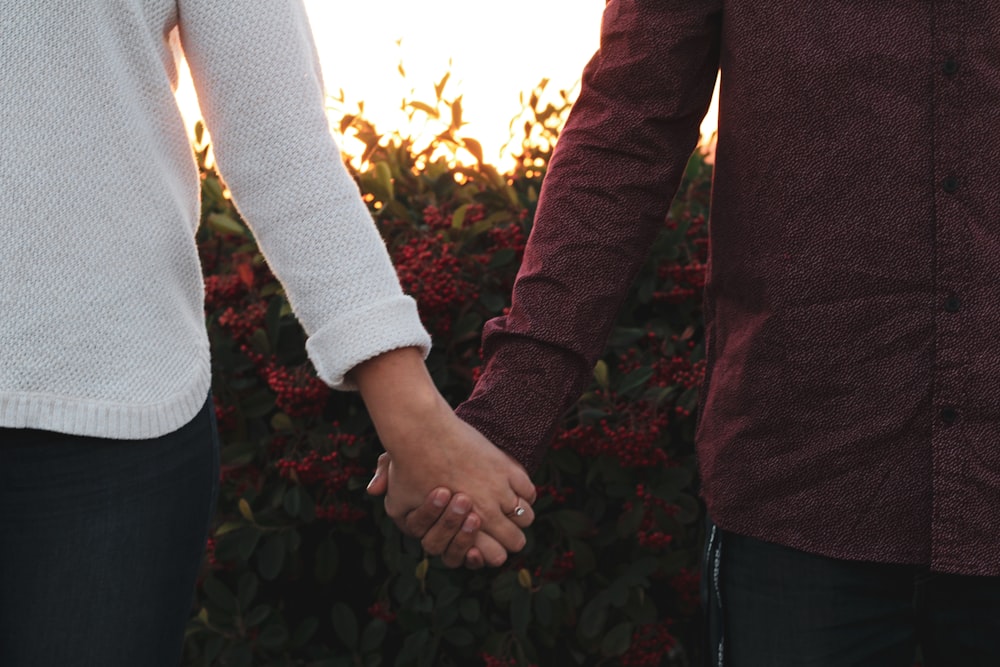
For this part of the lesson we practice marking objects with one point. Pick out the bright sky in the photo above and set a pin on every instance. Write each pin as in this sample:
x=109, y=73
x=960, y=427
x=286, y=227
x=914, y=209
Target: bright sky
x=493, y=51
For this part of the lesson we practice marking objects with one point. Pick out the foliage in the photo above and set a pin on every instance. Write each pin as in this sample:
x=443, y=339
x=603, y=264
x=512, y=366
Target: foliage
x=303, y=569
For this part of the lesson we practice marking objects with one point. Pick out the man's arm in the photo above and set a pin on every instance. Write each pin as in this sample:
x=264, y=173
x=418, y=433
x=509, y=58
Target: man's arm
x=607, y=191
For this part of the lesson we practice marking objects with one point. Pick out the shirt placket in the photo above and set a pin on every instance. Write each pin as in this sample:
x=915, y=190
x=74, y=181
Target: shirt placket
x=951, y=248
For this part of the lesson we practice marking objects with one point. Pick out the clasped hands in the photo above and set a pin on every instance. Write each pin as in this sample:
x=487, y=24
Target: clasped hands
x=443, y=481
x=467, y=501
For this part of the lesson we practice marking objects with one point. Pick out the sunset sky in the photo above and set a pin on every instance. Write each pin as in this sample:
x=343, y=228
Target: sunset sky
x=493, y=52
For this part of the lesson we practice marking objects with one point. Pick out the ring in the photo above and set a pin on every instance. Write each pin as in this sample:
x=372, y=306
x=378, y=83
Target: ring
x=518, y=511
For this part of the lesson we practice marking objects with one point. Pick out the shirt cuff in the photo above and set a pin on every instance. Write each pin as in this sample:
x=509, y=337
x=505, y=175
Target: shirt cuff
x=523, y=394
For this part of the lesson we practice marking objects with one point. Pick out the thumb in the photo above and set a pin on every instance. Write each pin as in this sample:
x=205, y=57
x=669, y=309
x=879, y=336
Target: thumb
x=380, y=480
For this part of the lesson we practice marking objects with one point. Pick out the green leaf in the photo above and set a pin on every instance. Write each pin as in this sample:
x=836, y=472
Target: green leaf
x=458, y=217
x=629, y=522
x=618, y=640
x=257, y=404
x=273, y=636
x=572, y=522
x=635, y=379
x=271, y=558
x=345, y=625
x=223, y=224
x=257, y=615
x=373, y=636
x=601, y=374
x=383, y=175
x=247, y=589
x=425, y=108
x=304, y=632
x=240, y=655
x=247, y=543
x=520, y=612
x=327, y=559
x=592, y=618
x=504, y=586
x=447, y=596
x=543, y=609
x=468, y=609
x=502, y=258
x=219, y=594
x=459, y=637
x=474, y=147
x=293, y=501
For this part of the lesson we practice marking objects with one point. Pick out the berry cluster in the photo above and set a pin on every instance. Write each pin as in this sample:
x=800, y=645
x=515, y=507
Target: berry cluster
x=650, y=644
x=637, y=443
x=298, y=391
x=649, y=533
x=223, y=289
x=225, y=415
x=382, y=611
x=687, y=585
x=240, y=324
x=339, y=512
x=512, y=236
x=431, y=272
x=558, y=494
x=563, y=566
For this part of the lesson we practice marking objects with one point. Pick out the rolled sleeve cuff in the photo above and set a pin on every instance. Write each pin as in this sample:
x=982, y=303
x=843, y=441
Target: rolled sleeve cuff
x=362, y=334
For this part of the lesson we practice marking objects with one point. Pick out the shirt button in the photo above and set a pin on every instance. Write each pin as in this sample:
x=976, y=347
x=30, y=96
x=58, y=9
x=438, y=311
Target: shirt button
x=949, y=66
x=950, y=184
x=952, y=304
x=949, y=415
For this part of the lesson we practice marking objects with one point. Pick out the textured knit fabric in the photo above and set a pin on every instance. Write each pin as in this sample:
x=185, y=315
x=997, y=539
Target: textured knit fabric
x=103, y=332
x=852, y=405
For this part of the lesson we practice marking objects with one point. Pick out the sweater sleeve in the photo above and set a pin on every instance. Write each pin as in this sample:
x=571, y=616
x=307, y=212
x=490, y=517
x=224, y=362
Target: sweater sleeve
x=606, y=194
x=260, y=90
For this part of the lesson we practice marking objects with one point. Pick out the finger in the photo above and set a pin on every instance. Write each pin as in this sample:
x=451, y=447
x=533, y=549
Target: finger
x=502, y=529
x=474, y=559
x=440, y=532
x=523, y=486
x=523, y=514
x=455, y=553
x=492, y=551
x=417, y=521
x=380, y=480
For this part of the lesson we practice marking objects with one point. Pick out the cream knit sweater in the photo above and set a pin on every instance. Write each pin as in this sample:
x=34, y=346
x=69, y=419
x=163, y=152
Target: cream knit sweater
x=101, y=324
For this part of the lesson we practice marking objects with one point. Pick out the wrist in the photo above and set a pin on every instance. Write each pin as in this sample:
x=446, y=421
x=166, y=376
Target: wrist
x=399, y=395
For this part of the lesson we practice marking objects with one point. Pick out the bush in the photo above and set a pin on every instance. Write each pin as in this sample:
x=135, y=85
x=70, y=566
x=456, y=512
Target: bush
x=302, y=568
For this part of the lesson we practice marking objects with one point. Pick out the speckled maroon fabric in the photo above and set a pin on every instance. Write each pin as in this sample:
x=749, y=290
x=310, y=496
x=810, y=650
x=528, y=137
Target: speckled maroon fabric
x=852, y=405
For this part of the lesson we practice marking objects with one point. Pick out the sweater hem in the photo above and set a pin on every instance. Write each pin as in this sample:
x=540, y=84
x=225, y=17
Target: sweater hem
x=104, y=419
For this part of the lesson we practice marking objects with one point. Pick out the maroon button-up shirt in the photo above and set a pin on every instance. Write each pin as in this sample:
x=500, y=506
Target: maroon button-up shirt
x=852, y=399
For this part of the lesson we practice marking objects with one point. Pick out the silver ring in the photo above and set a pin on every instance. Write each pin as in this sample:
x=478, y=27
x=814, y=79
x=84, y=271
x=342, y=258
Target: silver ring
x=519, y=511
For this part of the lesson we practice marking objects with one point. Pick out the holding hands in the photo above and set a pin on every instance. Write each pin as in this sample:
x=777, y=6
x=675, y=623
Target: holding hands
x=431, y=453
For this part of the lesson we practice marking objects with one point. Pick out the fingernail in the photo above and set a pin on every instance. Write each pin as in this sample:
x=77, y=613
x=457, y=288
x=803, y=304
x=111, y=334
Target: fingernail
x=439, y=499
x=374, y=477
x=461, y=506
x=468, y=526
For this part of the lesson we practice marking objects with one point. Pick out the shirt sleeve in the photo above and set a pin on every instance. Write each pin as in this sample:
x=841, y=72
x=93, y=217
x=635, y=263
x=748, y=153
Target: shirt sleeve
x=607, y=191
x=260, y=90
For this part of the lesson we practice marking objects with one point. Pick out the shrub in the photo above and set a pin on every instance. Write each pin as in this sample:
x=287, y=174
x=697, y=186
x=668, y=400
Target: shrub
x=303, y=569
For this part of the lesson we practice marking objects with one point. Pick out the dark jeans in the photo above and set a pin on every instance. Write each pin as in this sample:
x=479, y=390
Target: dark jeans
x=100, y=544
x=772, y=606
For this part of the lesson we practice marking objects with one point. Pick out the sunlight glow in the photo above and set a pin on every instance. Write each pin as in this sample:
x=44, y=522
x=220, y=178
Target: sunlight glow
x=492, y=57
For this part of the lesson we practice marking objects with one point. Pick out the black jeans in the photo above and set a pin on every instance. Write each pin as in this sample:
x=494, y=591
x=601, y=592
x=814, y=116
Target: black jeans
x=100, y=544
x=772, y=606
